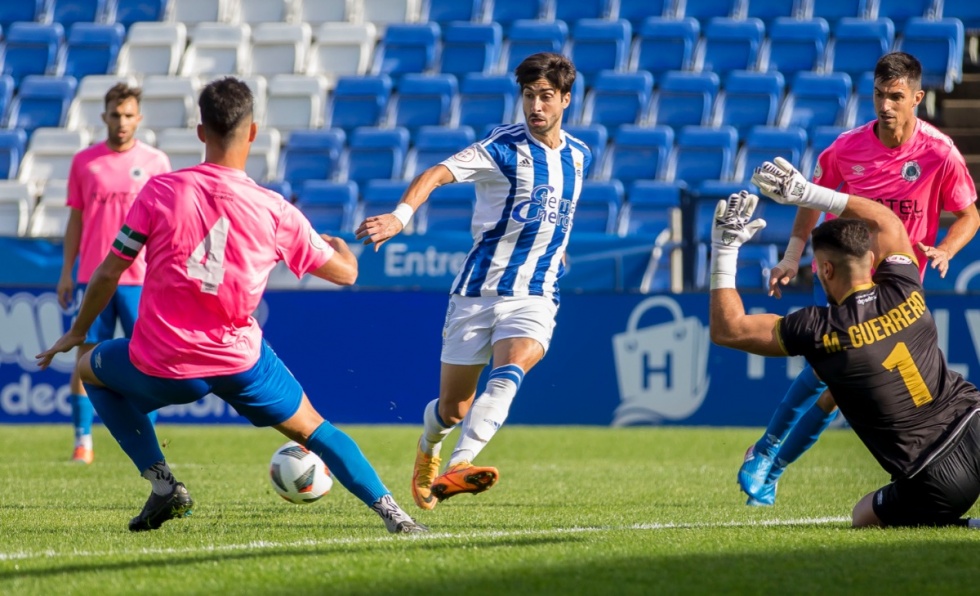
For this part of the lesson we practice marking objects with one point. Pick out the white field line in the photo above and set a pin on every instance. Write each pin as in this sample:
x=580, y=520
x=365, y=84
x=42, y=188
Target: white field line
x=265, y=545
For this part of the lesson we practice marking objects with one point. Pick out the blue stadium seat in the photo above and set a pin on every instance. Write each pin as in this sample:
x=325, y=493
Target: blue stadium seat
x=69, y=12
x=820, y=138
x=41, y=101
x=648, y=208
x=638, y=11
x=595, y=137
x=470, y=47
x=576, y=107
x=376, y=154
x=380, y=196
x=330, y=206
x=530, y=37
x=583, y=9
x=967, y=11
x=860, y=108
x=939, y=47
x=449, y=209
x=779, y=222
x=730, y=44
x=311, y=155
x=407, y=48
x=684, y=98
x=445, y=12
x=13, y=143
x=858, y=44
x=618, y=98
x=816, y=100
x=834, y=10
x=507, y=12
x=423, y=100
x=6, y=95
x=755, y=261
x=768, y=11
x=600, y=45
x=93, y=48
x=486, y=100
x=665, y=44
x=704, y=10
x=127, y=12
x=21, y=11
x=703, y=153
x=597, y=209
x=359, y=101
x=280, y=186
x=795, y=46
x=433, y=144
x=639, y=153
x=33, y=49
x=764, y=143
x=750, y=99
x=900, y=11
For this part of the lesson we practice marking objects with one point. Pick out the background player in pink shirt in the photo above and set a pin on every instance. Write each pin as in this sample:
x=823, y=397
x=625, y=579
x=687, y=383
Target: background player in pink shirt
x=905, y=164
x=211, y=237
x=102, y=184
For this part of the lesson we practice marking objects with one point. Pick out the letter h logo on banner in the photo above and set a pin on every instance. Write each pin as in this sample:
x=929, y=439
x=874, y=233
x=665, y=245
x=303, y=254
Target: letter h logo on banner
x=662, y=369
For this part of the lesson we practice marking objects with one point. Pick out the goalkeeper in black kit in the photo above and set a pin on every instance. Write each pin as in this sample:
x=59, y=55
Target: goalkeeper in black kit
x=875, y=346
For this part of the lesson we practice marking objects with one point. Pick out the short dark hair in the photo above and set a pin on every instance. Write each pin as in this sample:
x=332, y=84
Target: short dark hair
x=557, y=69
x=121, y=92
x=225, y=104
x=899, y=65
x=846, y=237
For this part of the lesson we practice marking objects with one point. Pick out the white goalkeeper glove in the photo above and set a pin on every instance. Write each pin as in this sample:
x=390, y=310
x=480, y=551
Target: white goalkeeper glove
x=732, y=228
x=780, y=181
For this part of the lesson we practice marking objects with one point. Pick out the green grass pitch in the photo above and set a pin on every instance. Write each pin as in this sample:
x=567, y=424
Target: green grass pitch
x=577, y=511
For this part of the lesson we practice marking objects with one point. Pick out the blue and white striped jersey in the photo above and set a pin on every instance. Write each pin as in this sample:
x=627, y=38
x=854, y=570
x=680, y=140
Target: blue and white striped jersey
x=525, y=201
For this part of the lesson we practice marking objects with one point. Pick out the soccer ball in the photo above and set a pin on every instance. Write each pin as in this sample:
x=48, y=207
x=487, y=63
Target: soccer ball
x=298, y=474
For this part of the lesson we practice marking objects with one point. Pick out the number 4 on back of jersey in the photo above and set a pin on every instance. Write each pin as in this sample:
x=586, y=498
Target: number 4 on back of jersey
x=207, y=261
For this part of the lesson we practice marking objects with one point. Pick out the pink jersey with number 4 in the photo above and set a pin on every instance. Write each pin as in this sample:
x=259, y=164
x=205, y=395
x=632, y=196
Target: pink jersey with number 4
x=103, y=184
x=211, y=236
x=919, y=179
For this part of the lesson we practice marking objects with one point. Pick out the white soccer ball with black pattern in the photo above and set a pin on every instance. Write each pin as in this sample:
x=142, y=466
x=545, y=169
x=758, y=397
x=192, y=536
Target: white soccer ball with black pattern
x=298, y=474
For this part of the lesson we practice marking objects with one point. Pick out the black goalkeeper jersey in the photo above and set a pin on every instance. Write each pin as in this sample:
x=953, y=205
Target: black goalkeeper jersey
x=878, y=353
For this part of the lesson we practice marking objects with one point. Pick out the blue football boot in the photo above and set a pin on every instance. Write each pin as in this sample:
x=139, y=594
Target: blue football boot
x=754, y=471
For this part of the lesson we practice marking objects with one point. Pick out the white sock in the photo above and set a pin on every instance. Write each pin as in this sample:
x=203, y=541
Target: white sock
x=84, y=441
x=488, y=413
x=161, y=478
x=435, y=430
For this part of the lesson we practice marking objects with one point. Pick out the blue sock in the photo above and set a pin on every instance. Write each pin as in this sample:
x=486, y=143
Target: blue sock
x=803, y=436
x=131, y=428
x=346, y=462
x=81, y=414
x=800, y=396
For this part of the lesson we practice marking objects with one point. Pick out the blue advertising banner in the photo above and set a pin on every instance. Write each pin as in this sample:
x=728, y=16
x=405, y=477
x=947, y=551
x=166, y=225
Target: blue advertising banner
x=373, y=357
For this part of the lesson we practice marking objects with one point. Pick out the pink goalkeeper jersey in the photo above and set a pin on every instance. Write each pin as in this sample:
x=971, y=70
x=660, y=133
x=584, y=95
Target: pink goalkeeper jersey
x=103, y=184
x=918, y=179
x=212, y=236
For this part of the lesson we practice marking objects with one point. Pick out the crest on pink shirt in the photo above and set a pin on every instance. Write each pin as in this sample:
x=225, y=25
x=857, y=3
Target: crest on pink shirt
x=911, y=171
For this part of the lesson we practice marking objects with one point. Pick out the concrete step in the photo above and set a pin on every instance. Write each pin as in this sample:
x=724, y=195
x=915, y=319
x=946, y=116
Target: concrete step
x=968, y=88
x=967, y=139
x=973, y=164
x=960, y=113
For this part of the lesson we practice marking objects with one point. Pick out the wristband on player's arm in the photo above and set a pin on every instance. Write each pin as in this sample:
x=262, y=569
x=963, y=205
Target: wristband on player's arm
x=724, y=264
x=403, y=213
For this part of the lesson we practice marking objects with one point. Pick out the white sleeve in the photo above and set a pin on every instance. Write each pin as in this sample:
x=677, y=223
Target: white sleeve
x=473, y=164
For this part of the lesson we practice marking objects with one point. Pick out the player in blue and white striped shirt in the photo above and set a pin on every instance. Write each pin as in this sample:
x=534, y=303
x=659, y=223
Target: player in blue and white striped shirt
x=505, y=297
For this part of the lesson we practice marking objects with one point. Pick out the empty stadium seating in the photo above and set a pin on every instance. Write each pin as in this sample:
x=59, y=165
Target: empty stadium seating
x=407, y=48
x=424, y=100
x=41, y=101
x=449, y=209
x=665, y=44
x=939, y=47
x=600, y=45
x=530, y=37
x=360, y=101
x=376, y=154
x=182, y=147
x=595, y=137
x=432, y=144
x=730, y=44
x=684, y=98
x=20, y=11
x=486, y=100
x=152, y=49
x=49, y=154
x=649, y=208
x=703, y=153
x=129, y=12
x=295, y=102
x=16, y=202
x=278, y=48
x=749, y=99
x=330, y=206
x=816, y=100
x=793, y=46
x=68, y=12
x=33, y=49
x=12, y=146
x=445, y=12
x=640, y=152
x=341, y=49
x=470, y=47
x=617, y=98
x=597, y=209
x=92, y=49
x=763, y=143
x=381, y=196
x=311, y=155
x=858, y=44
x=507, y=12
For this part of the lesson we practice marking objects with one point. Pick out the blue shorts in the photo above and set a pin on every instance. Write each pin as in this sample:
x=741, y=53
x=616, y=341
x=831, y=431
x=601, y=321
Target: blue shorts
x=267, y=394
x=122, y=306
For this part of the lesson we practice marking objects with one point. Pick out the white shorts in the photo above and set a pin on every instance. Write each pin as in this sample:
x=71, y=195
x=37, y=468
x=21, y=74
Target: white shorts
x=473, y=325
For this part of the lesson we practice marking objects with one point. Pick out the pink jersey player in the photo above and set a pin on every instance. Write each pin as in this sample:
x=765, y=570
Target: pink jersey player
x=102, y=185
x=919, y=179
x=209, y=265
